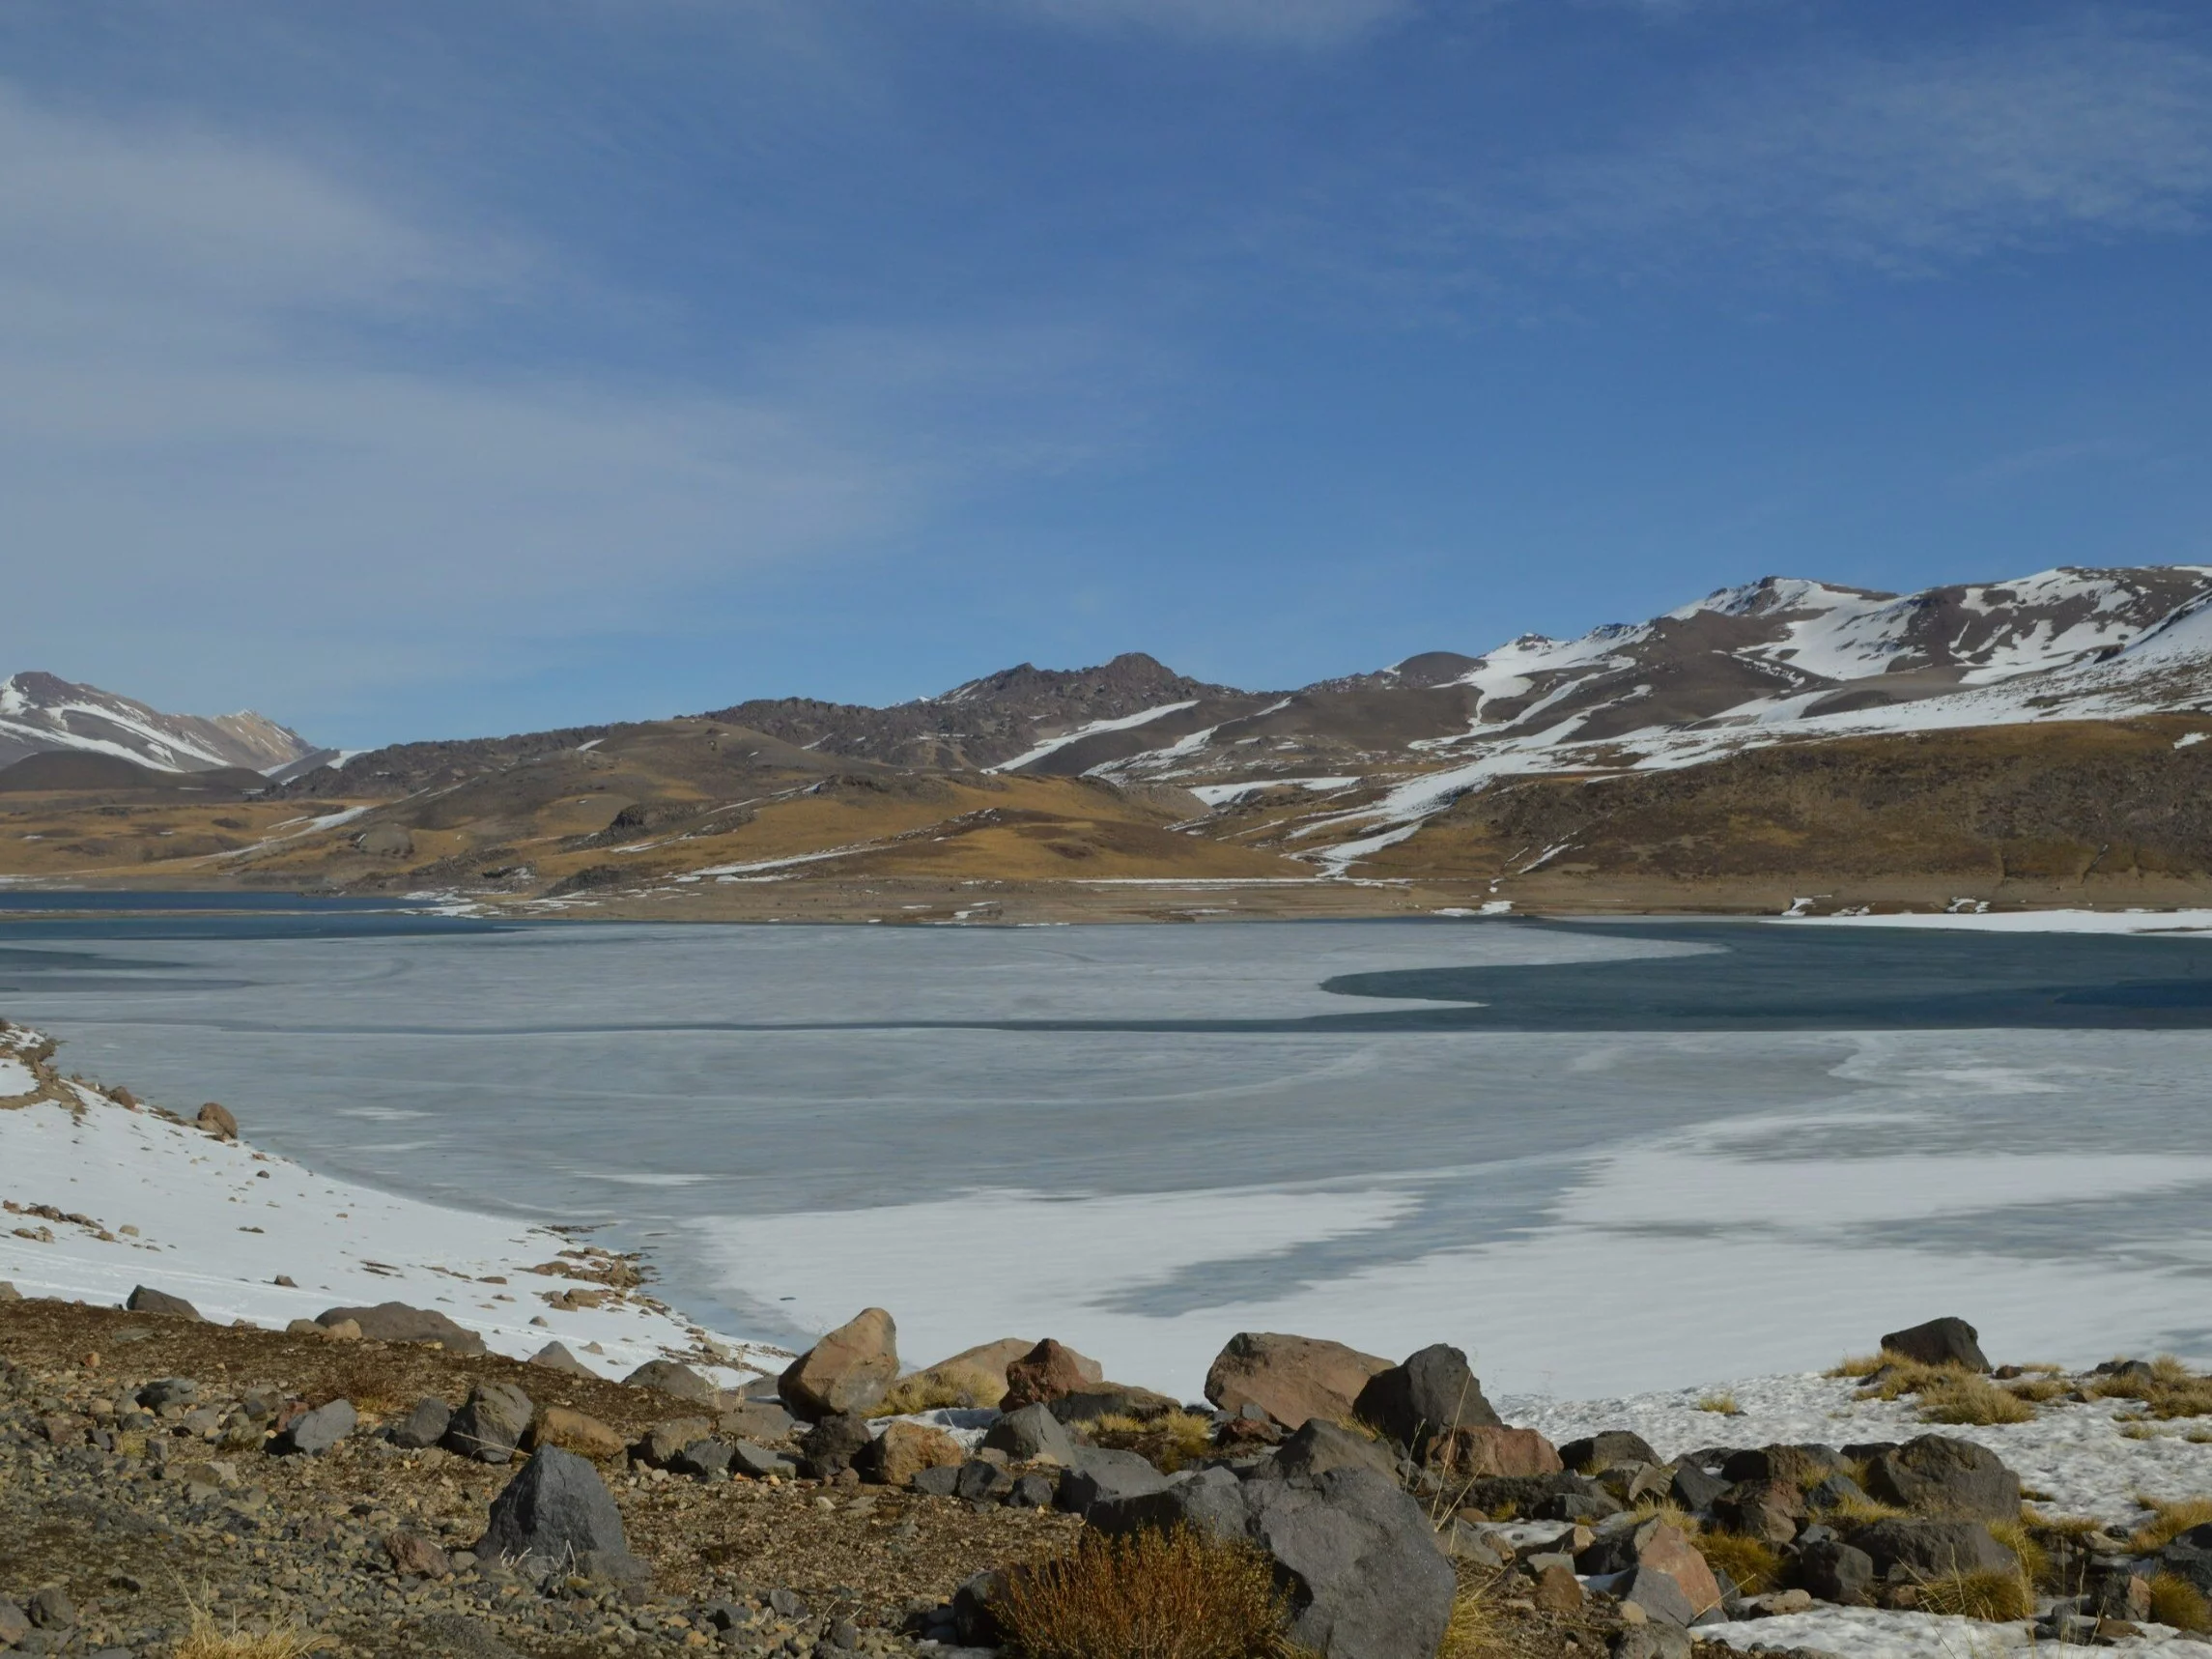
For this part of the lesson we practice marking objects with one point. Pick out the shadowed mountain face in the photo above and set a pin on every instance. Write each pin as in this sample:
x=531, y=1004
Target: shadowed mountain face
x=40, y=713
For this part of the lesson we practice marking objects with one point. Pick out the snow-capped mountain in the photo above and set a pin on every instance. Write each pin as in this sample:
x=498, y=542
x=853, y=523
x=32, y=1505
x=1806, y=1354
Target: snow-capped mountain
x=40, y=712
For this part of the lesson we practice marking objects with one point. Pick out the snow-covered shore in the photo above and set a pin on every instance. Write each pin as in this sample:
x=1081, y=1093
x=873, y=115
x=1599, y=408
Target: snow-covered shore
x=104, y=1195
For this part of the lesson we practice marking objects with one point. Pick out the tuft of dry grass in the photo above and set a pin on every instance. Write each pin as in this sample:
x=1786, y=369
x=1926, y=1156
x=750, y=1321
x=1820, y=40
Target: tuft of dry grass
x=1754, y=1564
x=1151, y=1595
x=2171, y=1390
x=2036, y=1391
x=205, y=1639
x=1172, y=1441
x=2175, y=1601
x=1967, y=1398
x=364, y=1376
x=1998, y=1595
x=1724, y=1404
x=1909, y=1377
x=919, y=1392
x=2170, y=1518
x=1858, y=1366
x=2019, y=1538
x=1862, y=1511
x=1476, y=1631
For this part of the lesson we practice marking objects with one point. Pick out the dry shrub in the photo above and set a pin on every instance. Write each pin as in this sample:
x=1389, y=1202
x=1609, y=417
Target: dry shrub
x=1724, y=1404
x=1967, y=1398
x=1996, y=1594
x=2175, y=1601
x=2021, y=1539
x=1754, y=1564
x=1168, y=1442
x=2036, y=1391
x=919, y=1392
x=1476, y=1631
x=1858, y=1366
x=1904, y=1376
x=2170, y=1518
x=1862, y=1511
x=208, y=1639
x=1151, y=1595
x=2171, y=1390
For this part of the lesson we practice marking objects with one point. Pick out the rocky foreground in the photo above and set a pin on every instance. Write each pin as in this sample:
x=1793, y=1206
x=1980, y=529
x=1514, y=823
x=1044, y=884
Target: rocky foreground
x=365, y=1483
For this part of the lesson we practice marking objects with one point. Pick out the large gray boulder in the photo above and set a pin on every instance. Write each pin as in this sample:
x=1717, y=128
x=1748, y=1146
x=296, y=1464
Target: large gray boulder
x=1914, y=1549
x=1426, y=1398
x=1946, y=1341
x=396, y=1321
x=555, y=1516
x=678, y=1382
x=1596, y=1453
x=1322, y=1445
x=1032, y=1433
x=1356, y=1558
x=492, y=1424
x=1098, y=1474
x=1938, y=1475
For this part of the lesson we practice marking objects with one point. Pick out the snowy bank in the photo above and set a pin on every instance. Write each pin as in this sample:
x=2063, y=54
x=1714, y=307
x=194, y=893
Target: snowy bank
x=104, y=1193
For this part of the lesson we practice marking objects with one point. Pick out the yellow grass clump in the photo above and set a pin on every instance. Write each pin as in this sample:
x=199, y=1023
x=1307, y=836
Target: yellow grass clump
x=1475, y=1631
x=206, y=1639
x=1966, y=1398
x=1996, y=1594
x=1724, y=1404
x=2175, y=1601
x=919, y=1392
x=2171, y=1390
x=1170, y=1441
x=1754, y=1564
x=1858, y=1366
x=2170, y=1518
x=1151, y=1595
x=2019, y=1538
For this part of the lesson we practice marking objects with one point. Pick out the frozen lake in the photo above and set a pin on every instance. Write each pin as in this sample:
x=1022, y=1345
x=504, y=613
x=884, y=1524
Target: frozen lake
x=1599, y=1158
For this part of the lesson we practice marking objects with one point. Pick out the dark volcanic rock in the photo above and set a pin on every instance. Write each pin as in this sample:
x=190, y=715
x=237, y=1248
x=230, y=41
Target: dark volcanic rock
x=556, y=1515
x=1938, y=1475
x=1946, y=1341
x=144, y=1300
x=1431, y=1395
x=396, y=1321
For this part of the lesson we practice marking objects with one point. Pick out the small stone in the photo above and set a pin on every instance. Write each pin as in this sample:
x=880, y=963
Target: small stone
x=575, y=1431
x=491, y=1426
x=51, y=1609
x=1558, y=1590
x=168, y=1391
x=554, y=1357
x=412, y=1556
x=423, y=1426
x=313, y=1433
x=678, y=1382
x=13, y=1625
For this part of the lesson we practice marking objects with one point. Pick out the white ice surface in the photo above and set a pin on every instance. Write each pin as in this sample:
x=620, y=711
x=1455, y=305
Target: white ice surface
x=15, y=1077
x=1864, y=1633
x=217, y=1221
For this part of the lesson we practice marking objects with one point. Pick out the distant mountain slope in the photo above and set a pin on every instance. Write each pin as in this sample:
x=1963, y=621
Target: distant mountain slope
x=40, y=713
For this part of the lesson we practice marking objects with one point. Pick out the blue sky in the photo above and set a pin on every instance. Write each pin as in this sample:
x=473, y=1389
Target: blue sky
x=418, y=370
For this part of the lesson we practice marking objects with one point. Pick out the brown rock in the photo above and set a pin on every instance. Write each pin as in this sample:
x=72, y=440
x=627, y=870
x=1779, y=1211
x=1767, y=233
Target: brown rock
x=1489, y=1452
x=1289, y=1378
x=849, y=1370
x=1766, y=1509
x=980, y=1372
x=575, y=1431
x=1558, y=1589
x=1668, y=1551
x=663, y=1441
x=415, y=1557
x=217, y=1121
x=146, y=1299
x=896, y=1456
x=396, y=1321
x=1050, y=1371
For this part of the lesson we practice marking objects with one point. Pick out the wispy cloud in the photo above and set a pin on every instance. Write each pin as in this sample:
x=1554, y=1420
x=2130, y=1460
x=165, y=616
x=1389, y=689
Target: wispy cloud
x=222, y=467
x=1267, y=23
x=1909, y=162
